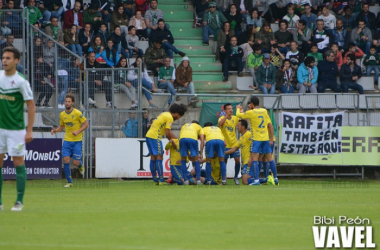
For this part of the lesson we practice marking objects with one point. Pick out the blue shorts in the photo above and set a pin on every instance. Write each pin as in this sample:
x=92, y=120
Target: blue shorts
x=72, y=149
x=236, y=154
x=216, y=146
x=154, y=146
x=186, y=145
x=247, y=170
x=271, y=147
x=261, y=147
x=176, y=174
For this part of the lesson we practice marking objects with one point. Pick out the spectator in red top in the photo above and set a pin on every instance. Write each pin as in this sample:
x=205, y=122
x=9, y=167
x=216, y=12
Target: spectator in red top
x=73, y=16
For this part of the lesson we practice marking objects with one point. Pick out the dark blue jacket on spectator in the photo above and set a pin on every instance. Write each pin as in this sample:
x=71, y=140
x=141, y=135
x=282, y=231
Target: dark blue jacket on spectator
x=119, y=39
x=49, y=4
x=346, y=74
x=159, y=35
x=328, y=71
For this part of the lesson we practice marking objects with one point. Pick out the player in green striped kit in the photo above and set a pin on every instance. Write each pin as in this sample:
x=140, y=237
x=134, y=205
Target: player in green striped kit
x=14, y=91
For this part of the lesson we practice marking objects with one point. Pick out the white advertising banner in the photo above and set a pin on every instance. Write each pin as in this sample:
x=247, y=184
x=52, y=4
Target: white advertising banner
x=120, y=158
x=318, y=134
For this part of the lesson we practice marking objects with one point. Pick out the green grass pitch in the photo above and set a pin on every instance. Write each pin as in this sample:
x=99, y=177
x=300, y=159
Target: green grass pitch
x=110, y=214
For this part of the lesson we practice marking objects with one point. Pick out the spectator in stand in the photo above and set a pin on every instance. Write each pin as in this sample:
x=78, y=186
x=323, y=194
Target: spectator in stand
x=54, y=31
x=246, y=40
x=372, y=62
x=49, y=52
x=166, y=78
x=254, y=60
x=368, y=17
x=266, y=76
x=286, y=78
x=53, y=8
x=110, y=54
x=299, y=6
x=341, y=35
x=9, y=43
x=122, y=80
x=232, y=54
x=235, y=19
x=321, y=37
x=316, y=6
x=13, y=19
x=42, y=81
x=96, y=79
x=265, y=38
x=85, y=36
x=224, y=36
x=337, y=7
x=222, y=5
x=147, y=82
x=329, y=20
x=140, y=25
x=376, y=40
x=72, y=40
x=362, y=36
x=201, y=6
x=5, y=30
x=37, y=47
x=154, y=57
x=295, y=56
x=151, y=17
x=119, y=17
x=97, y=46
x=350, y=74
x=104, y=8
x=302, y=37
x=93, y=16
x=184, y=79
x=212, y=23
x=349, y=21
x=132, y=41
x=328, y=71
x=243, y=7
x=119, y=42
x=145, y=122
x=103, y=33
x=165, y=36
x=283, y=37
x=353, y=49
x=73, y=16
x=131, y=125
x=33, y=12
x=276, y=57
x=337, y=55
x=128, y=6
x=255, y=20
x=263, y=8
x=292, y=18
x=307, y=76
x=309, y=17
x=278, y=8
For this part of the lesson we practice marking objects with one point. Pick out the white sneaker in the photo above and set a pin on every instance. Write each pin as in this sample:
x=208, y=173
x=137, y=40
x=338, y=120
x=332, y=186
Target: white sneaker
x=61, y=106
x=90, y=101
x=68, y=185
x=17, y=207
x=134, y=105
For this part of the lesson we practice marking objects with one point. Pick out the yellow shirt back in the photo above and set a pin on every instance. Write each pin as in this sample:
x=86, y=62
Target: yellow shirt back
x=245, y=142
x=191, y=130
x=229, y=131
x=215, y=168
x=175, y=154
x=157, y=129
x=213, y=133
x=72, y=122
x=259, y=120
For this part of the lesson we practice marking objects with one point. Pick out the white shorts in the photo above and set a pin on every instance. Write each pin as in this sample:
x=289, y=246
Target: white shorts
x=12, y=142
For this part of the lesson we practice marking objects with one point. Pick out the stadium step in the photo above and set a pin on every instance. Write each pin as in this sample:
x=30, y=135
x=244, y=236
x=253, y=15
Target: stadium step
x=179, y=15
x=186, y=32
x=195, y=49
x=207, y=76
x=167, y=8
x=212, y=86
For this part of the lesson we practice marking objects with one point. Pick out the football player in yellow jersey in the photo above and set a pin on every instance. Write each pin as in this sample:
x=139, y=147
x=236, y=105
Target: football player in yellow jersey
x=189, y=143
x=214, y=144
x=227, y=124
x=74, y=124
x=245, y=142
x=160, y=127
x=175, y=162
x=216, y=175
x=263, y=163
x=260, y=123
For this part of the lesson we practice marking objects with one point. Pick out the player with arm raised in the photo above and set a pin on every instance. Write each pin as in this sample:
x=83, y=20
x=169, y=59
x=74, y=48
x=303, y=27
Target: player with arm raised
x=245, y=142
x=227, y=124
x=74, y=123
x=214, y=144
x=260, y=123
x=160, y=127
x=189, y=143
x=14, y=92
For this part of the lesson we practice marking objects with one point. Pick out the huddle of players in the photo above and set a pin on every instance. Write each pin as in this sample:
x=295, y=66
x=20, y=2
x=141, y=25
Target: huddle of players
x=220, y=143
